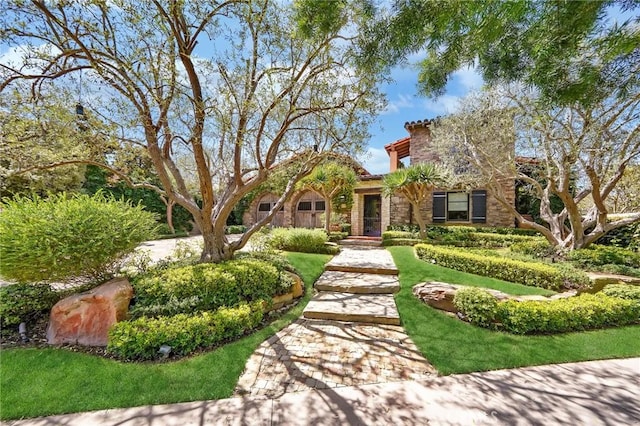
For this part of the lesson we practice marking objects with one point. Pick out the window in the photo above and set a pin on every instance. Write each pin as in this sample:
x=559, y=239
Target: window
x=319, y=205
x=264, y=207
x=457, y=206
x=304, y=206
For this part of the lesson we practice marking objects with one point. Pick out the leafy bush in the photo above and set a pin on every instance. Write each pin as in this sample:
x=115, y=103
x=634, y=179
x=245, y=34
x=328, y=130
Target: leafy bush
x=597, y=255
x=623, y=291
x=619, y=269
x=235, y=229
x=60, y=237
x=300, y=240
x=25, y=303
x=477, y=305
x=533, y=247
x=626, y=237
x=392, y=235
x=141, y=339
x=336, y=236
x=206, y=287
x=484, y=239
x=402, y=242
x=508, y=231
x=272, y=257
x=583, y=312
x=527, y=273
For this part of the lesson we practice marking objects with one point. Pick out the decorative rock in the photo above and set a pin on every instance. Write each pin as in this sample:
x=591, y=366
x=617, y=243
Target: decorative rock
x=85, y=318
x=297, y=288
x=440, y=295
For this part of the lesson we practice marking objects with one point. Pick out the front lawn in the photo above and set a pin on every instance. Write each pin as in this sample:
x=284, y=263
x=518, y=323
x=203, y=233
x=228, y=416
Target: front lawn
x=453, y=346
x=41, y=382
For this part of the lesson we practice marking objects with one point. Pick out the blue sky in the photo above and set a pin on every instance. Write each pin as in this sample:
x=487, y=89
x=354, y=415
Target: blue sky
x=406, y=105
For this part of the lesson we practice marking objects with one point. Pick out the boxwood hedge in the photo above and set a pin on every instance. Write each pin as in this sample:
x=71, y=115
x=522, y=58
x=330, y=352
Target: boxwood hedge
x=527, y=273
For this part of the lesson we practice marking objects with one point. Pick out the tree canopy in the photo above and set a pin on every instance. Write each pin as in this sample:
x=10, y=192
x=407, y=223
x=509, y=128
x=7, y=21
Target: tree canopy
x=218, y=94
x=569, y=50
x=579, y=154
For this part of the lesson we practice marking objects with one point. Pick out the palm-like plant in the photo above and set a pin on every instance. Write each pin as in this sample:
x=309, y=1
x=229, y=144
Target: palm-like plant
x=415, y=183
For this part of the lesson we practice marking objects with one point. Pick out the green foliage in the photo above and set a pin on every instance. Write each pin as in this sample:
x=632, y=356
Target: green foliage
x=25, y=303
x=537, y=248
x=96, y=181
x=539, y=43
x=61, y=237
x=336, y=236
x=402, y=242
x=584, y=312
x=464, y=236
x=439, y=230
x=477, y=305
x=623, y=291
x=273, y=258
x=626, y=237
x=235, y=229
x=392, y=235
x=206, y=287
x=301, y=240
x=527, y=273
x=597, y=255
x=141, y=339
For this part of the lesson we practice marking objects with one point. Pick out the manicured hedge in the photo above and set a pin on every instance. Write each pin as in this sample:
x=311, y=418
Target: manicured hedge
x=301, y=240
x=597, y=255
x=584, y=312
x=141, y=339
x=623, y=291
x=478, y=306
x=537, y=247
x=25, y=303
x=206, y=287
x=462, y=236
x=527, y=273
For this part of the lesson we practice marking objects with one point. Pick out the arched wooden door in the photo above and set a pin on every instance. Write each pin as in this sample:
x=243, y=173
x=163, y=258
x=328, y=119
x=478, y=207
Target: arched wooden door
x=309, y=211
x=264, y=207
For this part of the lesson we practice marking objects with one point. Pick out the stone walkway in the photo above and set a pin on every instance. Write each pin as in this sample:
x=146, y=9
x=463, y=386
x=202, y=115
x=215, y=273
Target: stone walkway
x=325, y=354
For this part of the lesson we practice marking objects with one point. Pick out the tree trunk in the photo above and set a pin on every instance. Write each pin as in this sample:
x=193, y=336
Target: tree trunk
x=421, y=223
x=327, y=215
x=216, y=247
x=170, y=216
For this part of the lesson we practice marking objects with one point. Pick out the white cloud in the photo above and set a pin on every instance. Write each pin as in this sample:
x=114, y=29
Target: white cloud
x=468, y=78
x=376, y=161
x=445, y=104
x=402, y=102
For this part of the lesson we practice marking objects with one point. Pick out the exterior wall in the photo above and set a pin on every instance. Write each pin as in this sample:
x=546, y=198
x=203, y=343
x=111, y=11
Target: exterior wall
x=401, y=210
x=420, y=148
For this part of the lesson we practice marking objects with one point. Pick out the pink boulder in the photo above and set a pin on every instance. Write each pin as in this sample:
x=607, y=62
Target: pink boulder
x=85, y=318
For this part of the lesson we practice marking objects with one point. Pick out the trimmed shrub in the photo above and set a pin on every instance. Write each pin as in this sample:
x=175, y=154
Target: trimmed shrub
x=235, y=229
x=25, y=303
x=527, y=273
x=583, y=312
x=402, y=242
x=534, y=247
x=508, y=231
x=597, y=255
x=484, y=239
x=272, y=257
x=623, y=291
x=392, y=235
x=206, y=287
x=60, y=237
x=141, y=339
x=477, y=305
x=336, y=236
x=626, y=237
x=301, y=240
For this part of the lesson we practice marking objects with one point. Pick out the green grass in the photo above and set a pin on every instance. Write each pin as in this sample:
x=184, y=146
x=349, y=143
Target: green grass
x=453, y=346
x=40, y=382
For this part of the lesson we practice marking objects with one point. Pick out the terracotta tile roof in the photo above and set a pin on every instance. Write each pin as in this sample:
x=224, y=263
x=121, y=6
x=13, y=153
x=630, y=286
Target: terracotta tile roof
x=401, y=146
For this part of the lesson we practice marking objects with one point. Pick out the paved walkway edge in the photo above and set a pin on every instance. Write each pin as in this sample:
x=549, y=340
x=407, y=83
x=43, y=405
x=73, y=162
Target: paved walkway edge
x=594, y=393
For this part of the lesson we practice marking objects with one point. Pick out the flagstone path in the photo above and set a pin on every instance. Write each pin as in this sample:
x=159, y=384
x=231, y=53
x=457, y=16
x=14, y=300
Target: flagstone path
x=349, y=334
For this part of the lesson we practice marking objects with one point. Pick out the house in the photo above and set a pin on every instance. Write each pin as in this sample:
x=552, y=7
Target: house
x=371, y=212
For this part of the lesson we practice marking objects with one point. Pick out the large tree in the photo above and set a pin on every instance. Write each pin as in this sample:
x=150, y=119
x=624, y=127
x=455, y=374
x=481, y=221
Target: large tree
x=540, y=43
x=579, y=154
x=233, y=84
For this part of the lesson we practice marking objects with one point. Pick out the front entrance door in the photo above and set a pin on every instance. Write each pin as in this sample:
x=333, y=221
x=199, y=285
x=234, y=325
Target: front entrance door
x=372, y=212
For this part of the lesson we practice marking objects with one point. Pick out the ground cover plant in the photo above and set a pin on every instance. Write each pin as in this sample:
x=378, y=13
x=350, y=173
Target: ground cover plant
x=454, y=346
x=45, y=381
